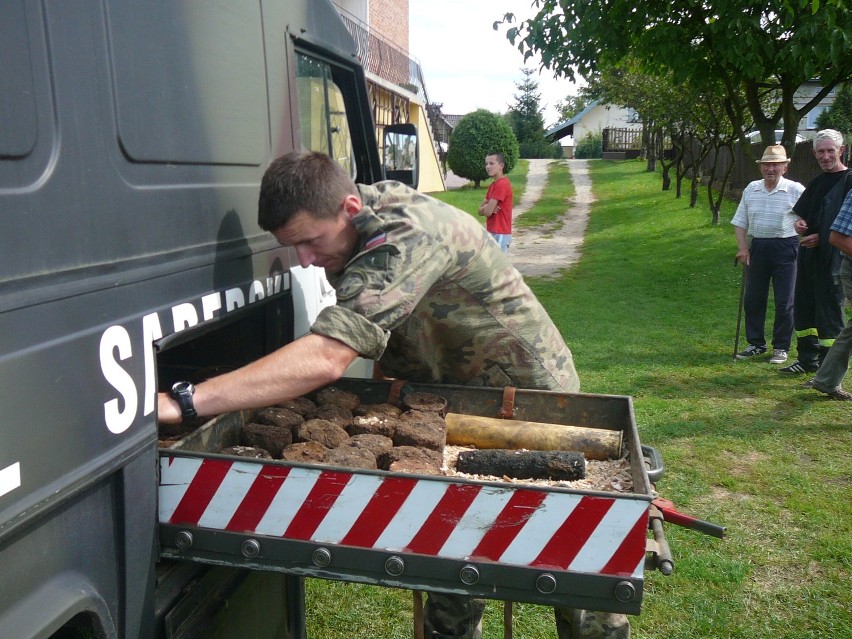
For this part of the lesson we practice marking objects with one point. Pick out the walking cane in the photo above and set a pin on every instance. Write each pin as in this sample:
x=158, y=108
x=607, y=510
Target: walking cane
x=740, y=311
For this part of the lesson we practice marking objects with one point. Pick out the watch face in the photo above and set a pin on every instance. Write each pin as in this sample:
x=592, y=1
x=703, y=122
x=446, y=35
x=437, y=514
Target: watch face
x=182, y=387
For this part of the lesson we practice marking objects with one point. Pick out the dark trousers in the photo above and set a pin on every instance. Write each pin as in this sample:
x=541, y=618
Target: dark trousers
x=771, y=261
x=818, y=307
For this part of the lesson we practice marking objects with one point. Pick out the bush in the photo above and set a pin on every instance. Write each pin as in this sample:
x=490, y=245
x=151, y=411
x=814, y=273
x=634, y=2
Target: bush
x=839, y=115
x=541, y=149
x=476, y=135
x=589, y=147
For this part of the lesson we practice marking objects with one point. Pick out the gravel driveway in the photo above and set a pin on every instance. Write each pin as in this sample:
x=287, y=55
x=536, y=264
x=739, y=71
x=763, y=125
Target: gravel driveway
x=545, y=251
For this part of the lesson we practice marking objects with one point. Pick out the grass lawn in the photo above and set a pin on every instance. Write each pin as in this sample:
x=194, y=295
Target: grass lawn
x=650, y=311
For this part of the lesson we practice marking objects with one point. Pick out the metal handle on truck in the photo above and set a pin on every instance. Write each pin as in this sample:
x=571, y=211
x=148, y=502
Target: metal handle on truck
x=653, y=463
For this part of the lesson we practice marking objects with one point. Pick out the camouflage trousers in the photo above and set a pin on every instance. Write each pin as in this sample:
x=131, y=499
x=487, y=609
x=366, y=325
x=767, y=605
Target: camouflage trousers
x=448, y=615
x=572, y=623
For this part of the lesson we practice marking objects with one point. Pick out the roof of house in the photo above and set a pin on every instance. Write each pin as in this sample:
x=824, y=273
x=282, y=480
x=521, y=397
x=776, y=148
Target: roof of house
x=559, y=131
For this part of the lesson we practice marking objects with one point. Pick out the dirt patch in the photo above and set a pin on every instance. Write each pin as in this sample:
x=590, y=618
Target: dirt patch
x=548, y=250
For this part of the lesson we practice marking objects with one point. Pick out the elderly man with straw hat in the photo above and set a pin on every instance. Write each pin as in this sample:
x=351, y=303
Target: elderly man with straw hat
x=767, y=246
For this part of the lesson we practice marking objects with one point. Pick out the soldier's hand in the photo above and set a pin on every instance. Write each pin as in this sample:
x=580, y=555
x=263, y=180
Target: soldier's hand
x=168, y=410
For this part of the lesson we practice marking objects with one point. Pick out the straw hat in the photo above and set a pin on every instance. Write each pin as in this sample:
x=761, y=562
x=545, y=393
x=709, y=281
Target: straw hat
x=774, y=153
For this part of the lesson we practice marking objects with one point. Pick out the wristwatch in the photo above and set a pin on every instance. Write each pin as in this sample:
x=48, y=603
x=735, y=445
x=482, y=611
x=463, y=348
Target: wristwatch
x=182, y=392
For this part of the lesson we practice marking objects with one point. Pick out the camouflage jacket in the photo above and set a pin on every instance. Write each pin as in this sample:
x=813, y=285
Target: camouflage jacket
x=432, y=298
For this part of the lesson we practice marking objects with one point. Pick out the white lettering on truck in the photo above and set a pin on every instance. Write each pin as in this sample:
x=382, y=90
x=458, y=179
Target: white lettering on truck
x=117, y=420
x=116, y=346
x=10, y=478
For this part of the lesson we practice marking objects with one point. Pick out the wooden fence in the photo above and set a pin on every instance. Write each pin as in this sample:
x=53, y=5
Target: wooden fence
x=622, y=139
x=620, y=144
x=803, y=165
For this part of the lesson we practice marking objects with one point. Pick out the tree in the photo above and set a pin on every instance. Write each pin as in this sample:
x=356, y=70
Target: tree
x=476, y=135
x=571, y=106
x=693, y=117
x=839, y=115
x=753, y=49
x=527, y=122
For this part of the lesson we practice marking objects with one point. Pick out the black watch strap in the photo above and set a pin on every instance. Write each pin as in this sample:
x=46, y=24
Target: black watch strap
x=182, y=392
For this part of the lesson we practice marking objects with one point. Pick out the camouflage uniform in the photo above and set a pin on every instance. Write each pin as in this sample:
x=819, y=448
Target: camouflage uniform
x=432, y=298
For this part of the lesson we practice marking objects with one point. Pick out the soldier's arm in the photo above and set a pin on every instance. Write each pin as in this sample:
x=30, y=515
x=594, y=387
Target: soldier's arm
x=297, y=368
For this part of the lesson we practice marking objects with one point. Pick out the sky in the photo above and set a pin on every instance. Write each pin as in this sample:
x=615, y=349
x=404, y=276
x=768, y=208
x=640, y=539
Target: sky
x=468, y=65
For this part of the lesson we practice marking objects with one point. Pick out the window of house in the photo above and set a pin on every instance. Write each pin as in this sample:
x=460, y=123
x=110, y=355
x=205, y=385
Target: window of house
x=813, y=115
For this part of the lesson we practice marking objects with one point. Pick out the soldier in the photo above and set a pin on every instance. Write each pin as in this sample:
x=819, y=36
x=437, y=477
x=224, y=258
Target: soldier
x=422, y=289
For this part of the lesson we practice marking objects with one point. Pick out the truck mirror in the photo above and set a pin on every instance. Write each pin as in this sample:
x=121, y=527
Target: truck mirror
x=401, y=154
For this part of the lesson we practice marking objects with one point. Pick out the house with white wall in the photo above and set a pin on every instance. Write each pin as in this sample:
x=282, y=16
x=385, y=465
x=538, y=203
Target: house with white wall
x=596, y=117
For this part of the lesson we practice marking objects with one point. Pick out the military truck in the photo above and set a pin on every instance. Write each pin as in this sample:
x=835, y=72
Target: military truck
x=133, y=138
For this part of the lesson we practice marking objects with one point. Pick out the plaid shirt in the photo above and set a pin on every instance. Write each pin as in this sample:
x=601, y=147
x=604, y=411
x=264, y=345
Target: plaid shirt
x=843, y=221
x=767, y=214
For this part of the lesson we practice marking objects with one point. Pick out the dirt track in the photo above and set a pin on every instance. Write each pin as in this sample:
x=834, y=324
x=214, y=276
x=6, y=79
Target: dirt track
x=545, y=251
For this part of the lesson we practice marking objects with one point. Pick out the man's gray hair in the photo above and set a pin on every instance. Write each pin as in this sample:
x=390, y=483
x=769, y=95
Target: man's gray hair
x=829, y=134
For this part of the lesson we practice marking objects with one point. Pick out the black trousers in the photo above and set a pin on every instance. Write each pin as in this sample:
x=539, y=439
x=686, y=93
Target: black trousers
x=818, y=307
x=772, y=261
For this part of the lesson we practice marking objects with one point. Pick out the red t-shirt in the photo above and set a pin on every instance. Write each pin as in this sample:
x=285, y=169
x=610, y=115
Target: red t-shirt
x=501, y=220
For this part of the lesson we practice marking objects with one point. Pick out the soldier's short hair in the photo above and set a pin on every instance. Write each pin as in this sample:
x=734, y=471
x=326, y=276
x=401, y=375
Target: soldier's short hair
x=306, y=181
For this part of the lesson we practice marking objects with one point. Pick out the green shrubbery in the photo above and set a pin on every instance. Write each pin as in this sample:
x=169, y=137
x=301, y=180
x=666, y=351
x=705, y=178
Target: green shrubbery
x=476, y=135
x=589, y=147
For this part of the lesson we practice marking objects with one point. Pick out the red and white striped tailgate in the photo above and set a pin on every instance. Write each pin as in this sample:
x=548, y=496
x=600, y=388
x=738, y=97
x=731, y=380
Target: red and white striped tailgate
x=457, y=520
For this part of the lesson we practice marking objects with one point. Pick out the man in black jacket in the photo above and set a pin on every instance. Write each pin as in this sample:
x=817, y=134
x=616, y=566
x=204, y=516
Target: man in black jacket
x=818, y=304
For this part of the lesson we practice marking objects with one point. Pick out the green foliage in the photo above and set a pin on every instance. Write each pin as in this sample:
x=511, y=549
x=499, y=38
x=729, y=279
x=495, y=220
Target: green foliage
x=750, y=48
x=571, y=105
x=839, y=115
x=476, y=135
x=541, y=149
x=527, y=122
x=590, y=146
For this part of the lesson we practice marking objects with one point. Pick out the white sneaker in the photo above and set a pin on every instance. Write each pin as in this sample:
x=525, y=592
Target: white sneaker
x=778, y=356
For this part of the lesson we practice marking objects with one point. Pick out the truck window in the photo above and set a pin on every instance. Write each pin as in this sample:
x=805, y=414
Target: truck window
x=322, y=112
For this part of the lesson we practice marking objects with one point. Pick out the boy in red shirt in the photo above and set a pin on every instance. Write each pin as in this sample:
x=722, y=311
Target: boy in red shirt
x=497, y=205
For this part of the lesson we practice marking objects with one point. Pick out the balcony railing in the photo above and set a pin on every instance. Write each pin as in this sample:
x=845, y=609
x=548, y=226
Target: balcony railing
x=384, y=59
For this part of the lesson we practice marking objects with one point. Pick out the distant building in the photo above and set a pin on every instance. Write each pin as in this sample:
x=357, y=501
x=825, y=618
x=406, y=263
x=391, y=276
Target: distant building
x=807, y=125
x=394, y=80
x=596, y=117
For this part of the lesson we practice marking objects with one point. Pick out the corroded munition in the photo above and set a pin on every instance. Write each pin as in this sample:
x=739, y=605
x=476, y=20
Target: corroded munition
x=488, y=432
x=523, y=464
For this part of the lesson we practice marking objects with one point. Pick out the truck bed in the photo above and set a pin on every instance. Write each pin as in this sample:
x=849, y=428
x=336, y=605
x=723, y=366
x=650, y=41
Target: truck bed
x=513, y=541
